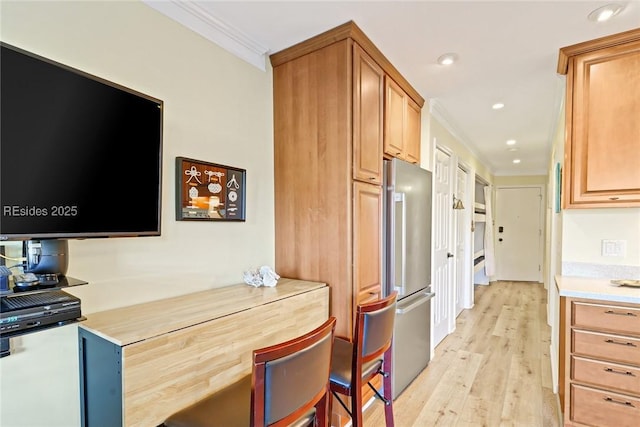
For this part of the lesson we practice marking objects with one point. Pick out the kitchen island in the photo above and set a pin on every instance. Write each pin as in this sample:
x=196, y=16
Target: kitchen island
x=141, y=363
x=599, y=352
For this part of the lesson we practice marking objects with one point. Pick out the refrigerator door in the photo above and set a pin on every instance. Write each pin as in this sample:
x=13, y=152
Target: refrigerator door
x=411, y=344
x=408, y=228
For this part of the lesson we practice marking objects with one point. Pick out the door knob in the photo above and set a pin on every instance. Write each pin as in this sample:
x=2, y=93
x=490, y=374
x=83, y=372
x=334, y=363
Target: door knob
x=449, y=255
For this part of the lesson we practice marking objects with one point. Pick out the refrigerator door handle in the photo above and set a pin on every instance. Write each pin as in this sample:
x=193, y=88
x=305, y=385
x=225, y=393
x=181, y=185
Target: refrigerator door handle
x=401, y=246
x=417, y=301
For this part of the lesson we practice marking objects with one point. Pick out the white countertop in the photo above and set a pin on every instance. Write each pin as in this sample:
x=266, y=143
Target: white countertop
x=595, y=288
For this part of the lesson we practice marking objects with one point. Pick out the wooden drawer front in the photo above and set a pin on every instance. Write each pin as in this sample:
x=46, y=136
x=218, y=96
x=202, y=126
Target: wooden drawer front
x=608, y=375
x=606, y=346
x=598, y=408
x=623, y=320
x=370, y=294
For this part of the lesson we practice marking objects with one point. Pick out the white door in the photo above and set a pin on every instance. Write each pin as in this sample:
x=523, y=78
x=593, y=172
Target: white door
x=518, y=232
x=461, y=229
x=443, y=302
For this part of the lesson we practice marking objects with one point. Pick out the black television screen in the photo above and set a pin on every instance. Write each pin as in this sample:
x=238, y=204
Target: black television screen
x=80, y=156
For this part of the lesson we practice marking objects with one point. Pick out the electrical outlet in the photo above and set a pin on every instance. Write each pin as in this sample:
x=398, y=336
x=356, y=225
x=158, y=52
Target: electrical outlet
x=617, y=248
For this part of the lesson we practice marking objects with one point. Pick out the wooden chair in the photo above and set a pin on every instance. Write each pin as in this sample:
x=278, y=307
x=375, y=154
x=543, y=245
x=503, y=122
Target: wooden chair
x=288, y=386
x=356, y=362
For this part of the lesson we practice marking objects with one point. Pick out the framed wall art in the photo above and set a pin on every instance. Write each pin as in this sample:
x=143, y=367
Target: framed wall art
x=209, y=191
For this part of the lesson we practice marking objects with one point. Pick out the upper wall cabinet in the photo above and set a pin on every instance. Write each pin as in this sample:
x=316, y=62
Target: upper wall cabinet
x=401, y=124
x=602, y=147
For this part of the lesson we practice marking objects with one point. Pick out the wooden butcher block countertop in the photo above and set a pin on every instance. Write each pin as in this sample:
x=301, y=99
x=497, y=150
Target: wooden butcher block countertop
x=127, y=325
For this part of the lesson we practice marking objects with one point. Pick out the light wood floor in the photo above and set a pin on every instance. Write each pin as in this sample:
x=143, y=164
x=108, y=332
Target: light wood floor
x=493, y=370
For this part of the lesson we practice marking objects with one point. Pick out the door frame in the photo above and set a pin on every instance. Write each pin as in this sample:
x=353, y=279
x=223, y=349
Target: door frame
x=541, y=214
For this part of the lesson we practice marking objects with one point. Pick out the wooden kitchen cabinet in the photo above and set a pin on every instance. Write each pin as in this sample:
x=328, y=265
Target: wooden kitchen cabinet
x=367, y=226
x=401, y=124
x=328, y=136
x=602, y=128
x=413, y=126
x=368, y=81
x=599, y=362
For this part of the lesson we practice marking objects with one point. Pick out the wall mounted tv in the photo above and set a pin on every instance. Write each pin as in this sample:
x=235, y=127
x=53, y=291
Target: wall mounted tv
x=80, y=156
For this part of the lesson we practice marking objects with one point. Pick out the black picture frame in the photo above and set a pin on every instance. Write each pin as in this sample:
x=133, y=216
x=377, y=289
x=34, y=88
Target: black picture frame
x=208, y=191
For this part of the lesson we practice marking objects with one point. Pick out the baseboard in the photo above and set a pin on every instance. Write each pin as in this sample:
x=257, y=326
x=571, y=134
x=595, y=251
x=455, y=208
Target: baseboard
x=559, y=410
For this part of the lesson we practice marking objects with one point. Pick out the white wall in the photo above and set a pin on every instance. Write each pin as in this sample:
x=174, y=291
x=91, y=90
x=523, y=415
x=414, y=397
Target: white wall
x=553, y=246
x=217, y=108
x=584, y=229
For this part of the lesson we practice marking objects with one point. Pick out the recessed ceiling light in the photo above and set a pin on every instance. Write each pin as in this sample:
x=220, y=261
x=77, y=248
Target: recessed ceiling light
x=516, y=161
x=497, y=105
x=511, y=142
x=606, y=12
x=512, y=149
x=447, y=58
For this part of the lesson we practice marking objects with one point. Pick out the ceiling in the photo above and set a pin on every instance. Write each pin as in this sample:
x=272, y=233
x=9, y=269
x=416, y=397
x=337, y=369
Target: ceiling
x=508, y=52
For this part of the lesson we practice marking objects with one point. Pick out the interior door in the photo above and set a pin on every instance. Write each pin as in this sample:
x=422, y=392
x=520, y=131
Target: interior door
x=460, y=241
x=443, y=302
x=518, y=231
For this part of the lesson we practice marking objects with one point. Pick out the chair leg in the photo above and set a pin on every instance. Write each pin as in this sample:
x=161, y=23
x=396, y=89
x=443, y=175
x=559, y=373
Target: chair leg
x=386, y=384
x=321, y=412
x=356, y=406
x=330, y=408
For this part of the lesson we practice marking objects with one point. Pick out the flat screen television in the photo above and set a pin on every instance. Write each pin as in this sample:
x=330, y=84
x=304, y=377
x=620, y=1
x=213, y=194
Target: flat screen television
x=80, y=156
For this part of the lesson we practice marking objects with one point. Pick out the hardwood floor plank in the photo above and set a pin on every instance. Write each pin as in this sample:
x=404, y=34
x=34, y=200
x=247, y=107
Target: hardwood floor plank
x=493, y=370
x=523, y=398
x=488, y=389
x=448, y=398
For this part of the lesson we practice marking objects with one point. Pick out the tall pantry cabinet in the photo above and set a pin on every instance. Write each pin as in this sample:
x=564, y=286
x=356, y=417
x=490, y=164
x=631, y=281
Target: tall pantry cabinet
x=329, y=121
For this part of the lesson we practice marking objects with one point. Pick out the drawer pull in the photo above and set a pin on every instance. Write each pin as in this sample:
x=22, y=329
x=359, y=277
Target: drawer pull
x=619, y=402
x=613, y=371
x=618, y=313
x=629, y=344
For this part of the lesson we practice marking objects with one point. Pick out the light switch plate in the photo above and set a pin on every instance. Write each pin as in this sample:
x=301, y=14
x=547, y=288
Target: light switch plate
x=617, y=248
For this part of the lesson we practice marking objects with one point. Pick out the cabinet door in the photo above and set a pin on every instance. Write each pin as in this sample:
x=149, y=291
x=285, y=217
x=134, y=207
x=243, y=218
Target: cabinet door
x=394, y=119
x=412, y=131
x=368, y=96
x=367, y=242
x=401, y=124
x=603, y=129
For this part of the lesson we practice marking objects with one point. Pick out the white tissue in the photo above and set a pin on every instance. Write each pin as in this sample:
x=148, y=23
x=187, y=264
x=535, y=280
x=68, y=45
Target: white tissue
x=264, y=276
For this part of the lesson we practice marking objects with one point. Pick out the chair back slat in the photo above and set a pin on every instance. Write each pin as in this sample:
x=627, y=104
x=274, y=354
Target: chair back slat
x=294, y=380
x=378, y=330
x=290, y=379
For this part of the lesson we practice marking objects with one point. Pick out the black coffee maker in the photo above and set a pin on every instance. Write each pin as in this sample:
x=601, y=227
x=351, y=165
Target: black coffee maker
x=46, y=256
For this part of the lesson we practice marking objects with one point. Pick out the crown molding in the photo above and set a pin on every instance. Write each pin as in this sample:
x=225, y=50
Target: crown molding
x=194, y=17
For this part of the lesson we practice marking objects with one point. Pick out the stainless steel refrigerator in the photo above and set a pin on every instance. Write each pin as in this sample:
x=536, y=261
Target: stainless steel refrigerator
x=407, y=266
